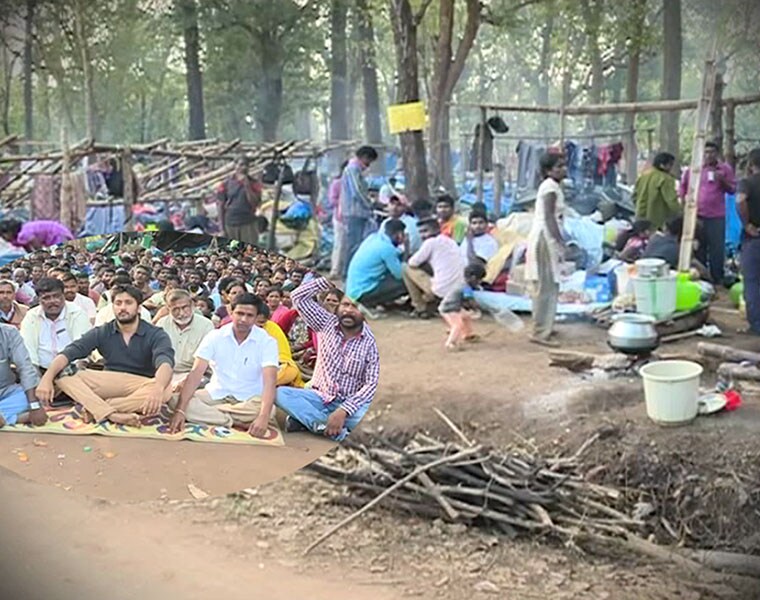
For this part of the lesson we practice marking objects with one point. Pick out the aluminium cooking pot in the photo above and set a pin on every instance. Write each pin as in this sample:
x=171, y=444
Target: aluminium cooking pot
x=633, y=333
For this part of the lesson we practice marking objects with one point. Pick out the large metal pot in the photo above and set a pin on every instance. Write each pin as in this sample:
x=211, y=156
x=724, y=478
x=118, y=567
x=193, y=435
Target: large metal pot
x=633, y=333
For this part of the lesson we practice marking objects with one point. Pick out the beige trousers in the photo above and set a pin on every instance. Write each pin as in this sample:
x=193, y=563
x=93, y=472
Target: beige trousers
x=224, y=412
x=419, y=285
x=546, y=294
x=103, y=393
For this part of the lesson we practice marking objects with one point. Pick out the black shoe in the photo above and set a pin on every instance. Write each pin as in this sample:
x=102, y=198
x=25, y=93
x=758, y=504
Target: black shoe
x=292, y=426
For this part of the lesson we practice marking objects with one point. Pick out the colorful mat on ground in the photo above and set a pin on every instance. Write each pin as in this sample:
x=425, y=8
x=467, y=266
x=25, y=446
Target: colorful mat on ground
x=67, y=421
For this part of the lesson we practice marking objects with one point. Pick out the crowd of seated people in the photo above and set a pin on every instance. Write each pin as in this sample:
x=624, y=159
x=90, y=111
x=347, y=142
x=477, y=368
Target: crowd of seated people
x=219, y=337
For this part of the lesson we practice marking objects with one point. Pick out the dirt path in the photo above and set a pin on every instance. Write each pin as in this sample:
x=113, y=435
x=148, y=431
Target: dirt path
x=67, y=547
x=195, y=549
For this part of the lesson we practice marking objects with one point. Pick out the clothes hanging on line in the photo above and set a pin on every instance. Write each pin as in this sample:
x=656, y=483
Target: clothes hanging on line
x=46, y=197
x=73, y=213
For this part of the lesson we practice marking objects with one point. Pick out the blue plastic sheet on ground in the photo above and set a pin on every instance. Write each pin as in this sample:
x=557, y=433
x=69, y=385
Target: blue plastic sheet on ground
x=497, y=302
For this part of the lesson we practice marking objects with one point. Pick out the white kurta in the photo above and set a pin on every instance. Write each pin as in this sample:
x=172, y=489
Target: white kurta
x=540, y=230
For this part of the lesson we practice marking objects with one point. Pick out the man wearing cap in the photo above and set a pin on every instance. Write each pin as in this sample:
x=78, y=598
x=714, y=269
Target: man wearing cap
x=239, y=198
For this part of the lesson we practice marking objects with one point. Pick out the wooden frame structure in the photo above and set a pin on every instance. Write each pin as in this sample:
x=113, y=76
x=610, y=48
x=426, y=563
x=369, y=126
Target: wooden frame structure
x=173, y=171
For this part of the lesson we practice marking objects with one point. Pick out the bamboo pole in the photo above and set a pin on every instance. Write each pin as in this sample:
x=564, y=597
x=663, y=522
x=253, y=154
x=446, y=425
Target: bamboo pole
x=64, y=207
x=695, y=171
x=731, y=134
x=129, y=188
x=482, y=152
x=601, y=109
x=272, y=241
x=498, y=188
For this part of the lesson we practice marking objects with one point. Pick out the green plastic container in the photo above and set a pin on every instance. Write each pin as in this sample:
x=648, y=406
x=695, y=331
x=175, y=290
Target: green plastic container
x=736, y=293
x=688, y=293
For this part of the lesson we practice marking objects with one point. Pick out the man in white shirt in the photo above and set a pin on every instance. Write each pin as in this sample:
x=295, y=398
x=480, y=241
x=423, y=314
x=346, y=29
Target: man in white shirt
x=479, y=244
x=48, y=328
x=186, y=331
x=441, y=254
x=71, y=294
x=244, y=361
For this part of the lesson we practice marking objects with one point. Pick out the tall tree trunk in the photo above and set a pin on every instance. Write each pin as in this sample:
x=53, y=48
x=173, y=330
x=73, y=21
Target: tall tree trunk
x=89, y=85
x=592, y=12
x=28, y=68
x=405, y=26
x=447, y=70
x=338, y=71
x=671, y=74
x=716, y=112
x=638, y=8
x=188, y=12
x=354, y=68
x=372, y=125
x=542, y=89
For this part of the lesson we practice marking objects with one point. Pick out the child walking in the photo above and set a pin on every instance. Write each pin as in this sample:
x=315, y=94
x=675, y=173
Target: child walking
x=456, y=307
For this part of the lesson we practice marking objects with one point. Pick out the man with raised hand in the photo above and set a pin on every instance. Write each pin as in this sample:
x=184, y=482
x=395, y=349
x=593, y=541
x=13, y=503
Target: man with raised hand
x=347, y=369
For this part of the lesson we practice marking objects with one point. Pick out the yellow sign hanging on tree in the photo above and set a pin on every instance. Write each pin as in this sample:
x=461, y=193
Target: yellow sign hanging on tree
x=407, y=117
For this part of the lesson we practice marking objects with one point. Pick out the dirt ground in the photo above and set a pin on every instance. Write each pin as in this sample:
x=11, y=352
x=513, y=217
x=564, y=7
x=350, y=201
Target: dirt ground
x=496, y=390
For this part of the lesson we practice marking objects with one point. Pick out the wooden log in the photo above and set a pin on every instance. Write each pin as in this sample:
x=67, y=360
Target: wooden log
x=738, y=372
x=727, y=353
x=609, y=109
x=741, y=564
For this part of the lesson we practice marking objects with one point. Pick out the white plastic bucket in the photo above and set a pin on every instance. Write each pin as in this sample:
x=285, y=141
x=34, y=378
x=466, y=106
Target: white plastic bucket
x=655, y=296
x=671, y=391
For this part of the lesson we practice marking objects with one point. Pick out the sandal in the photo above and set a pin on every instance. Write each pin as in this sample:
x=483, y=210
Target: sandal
x=548, y=343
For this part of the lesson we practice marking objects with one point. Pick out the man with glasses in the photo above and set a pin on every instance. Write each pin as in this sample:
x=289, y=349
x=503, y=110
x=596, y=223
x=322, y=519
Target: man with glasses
x=186, y=330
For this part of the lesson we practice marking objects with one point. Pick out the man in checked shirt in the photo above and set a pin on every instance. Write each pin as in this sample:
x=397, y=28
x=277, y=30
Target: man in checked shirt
x=347, y=370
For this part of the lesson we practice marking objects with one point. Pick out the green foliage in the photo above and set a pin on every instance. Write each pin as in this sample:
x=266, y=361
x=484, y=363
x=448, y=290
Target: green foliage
x=270, y=59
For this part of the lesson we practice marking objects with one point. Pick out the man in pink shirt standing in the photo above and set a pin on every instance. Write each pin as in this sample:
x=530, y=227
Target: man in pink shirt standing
x=716, y=181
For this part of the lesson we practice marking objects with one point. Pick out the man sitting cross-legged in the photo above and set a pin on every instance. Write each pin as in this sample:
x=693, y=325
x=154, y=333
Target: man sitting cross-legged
x=17, y=401
x=139, y=361
x=244, y=361
x=186, y=330
x=347, y=369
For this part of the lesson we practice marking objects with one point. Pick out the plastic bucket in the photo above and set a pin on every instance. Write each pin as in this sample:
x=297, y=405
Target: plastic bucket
x=655, y=296
x=671, y=391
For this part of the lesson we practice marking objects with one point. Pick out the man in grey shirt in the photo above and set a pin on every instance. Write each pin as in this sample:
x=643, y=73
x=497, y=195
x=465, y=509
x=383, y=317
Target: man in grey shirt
x=139, y=361
x=17, y=402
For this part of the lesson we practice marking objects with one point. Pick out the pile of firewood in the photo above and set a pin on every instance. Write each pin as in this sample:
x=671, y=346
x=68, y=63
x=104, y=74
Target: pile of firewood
x=513, y=491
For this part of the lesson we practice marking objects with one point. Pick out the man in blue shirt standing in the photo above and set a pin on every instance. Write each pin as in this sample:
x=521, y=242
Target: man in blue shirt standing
x=374, y=275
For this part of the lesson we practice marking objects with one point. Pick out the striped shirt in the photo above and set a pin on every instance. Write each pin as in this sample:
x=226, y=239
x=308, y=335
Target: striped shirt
x=354, y=193
x=347, y=369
